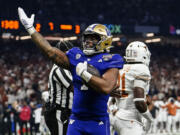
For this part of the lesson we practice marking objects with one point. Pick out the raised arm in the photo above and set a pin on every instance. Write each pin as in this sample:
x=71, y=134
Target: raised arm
x=165, y=106
x=52, y=53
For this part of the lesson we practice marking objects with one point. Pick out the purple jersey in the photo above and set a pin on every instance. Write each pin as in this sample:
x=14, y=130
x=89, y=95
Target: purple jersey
x=87, y=103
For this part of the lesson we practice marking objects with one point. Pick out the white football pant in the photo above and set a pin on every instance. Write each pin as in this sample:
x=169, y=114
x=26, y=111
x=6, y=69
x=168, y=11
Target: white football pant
x=126, y=127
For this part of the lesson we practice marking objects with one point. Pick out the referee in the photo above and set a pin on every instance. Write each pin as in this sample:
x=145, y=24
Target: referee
x=59, y=103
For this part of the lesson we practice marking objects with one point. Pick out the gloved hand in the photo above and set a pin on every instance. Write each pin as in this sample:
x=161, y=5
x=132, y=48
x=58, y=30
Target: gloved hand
x=149, y=119
x=147, y=125
x=81, y=70
x=81, y=67
x=26, y=22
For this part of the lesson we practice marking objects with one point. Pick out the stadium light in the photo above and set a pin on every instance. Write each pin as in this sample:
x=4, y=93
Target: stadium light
x=70, y=38
x=61, y=38
x=148, y=41
x=6, y=35
x=25, y=37
x=149, y=34
x=155, y=40
x=53, y=38
x=116, y=39
x=17, y=38
x=178, y=31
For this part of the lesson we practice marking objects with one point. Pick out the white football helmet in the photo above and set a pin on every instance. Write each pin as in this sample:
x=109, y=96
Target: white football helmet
x=138, y=52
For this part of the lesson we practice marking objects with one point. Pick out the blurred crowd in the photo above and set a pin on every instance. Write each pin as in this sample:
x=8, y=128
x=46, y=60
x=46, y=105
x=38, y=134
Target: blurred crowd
x=24, y=75
x=165, y=89
x=24, y=70
x=136, y=12
x=165, y=71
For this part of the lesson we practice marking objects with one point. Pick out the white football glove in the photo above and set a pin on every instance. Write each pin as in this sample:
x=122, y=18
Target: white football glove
x=81, y=70
x=147, y=125
x=149, y=119
x=81, y=67
x=26, y=22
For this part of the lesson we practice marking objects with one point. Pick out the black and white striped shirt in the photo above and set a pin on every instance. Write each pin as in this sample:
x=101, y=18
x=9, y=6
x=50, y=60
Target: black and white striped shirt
x=60, y=82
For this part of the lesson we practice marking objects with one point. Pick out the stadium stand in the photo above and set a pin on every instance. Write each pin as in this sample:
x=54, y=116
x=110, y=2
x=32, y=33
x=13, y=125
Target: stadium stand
x=24, y=76
x=24, y=70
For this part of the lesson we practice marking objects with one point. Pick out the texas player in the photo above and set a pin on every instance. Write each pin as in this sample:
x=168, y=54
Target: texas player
x=133, y=85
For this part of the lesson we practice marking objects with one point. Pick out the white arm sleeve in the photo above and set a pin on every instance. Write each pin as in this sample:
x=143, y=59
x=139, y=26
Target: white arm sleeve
x=140, y=83
x=142, y=77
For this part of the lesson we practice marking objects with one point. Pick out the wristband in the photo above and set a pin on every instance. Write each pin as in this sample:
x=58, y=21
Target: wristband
x=86, y=76
x=31, y=30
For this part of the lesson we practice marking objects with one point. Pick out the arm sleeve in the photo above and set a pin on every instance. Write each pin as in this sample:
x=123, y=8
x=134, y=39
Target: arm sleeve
x=140, y=83
x=142, y=77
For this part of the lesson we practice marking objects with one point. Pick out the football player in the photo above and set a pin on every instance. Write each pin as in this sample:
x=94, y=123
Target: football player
x=171, y=119
x=177, y=102
x=161, y=115
x=133, y=85
x=91, y=93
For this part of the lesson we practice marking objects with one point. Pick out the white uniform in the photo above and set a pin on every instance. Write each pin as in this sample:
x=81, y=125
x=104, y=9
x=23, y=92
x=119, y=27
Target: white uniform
x=161, y=116
x=178, y=111
x=162, y=113
x=128, y=119
x=111, y=107
x=178, y=114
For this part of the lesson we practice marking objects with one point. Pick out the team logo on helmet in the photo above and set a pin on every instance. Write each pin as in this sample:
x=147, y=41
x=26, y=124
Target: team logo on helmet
x=105, y=39
x=138, y=52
